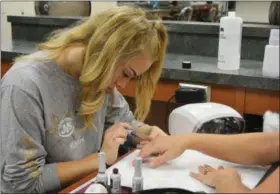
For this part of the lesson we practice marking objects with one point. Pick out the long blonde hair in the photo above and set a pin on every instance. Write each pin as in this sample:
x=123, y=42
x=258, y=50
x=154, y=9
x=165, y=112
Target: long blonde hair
x=113, y=36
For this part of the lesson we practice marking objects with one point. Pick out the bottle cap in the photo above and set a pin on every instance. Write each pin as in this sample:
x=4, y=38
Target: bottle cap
x=274, y=37
x=138, y=167
x=115, y=171
x=102, y=162
x=231, y=13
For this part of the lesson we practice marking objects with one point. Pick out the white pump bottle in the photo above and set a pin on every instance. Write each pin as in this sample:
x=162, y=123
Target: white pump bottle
x=271, y=55
x=229, y=52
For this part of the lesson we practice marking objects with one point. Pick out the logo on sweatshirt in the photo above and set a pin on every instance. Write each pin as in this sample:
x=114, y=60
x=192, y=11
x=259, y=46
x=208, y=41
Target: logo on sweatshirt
x=64, y=126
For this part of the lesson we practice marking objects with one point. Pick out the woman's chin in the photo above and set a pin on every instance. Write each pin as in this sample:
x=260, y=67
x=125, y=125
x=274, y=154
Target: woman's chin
x=110, y=89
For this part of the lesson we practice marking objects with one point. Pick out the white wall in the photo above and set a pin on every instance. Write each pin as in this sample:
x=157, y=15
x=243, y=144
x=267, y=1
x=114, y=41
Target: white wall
x=100, y=6
x=249, y=11
x=27, y=9
x=13, y=8
x=253, y=11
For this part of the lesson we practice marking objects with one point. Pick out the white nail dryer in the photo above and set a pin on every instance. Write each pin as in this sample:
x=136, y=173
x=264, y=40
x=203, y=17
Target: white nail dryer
x=96, y=188
x=206, y=117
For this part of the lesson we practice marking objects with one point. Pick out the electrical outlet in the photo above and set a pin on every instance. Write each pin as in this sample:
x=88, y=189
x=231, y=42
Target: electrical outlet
x=205, y=87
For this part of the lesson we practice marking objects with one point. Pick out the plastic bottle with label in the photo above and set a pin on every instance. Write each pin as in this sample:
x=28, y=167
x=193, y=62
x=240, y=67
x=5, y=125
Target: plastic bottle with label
x=271, y=55
x=115, y=181
x=230, y=39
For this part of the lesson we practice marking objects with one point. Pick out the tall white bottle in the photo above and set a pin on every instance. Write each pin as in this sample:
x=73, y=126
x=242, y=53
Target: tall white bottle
x=230, y=39
x=271, y=55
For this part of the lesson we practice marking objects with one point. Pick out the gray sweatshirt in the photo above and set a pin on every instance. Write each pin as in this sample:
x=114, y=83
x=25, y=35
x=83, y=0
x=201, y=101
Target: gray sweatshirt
x=40, y=126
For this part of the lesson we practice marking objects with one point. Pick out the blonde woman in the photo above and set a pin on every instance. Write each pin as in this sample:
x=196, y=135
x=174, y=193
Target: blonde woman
x=57, y=102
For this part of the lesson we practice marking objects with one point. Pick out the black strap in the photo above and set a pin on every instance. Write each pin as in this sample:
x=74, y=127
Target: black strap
x=167, y=191
x=273, y=167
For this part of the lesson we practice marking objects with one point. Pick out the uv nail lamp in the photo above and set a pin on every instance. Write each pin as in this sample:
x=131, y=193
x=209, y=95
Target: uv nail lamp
x=205, y=118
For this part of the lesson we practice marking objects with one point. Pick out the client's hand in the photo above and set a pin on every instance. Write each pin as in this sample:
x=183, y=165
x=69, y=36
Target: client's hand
x=168, y=148
x=154, y=133
x=214, y=177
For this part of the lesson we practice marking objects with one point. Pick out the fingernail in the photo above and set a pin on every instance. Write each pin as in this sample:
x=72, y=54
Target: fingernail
x=151, y=164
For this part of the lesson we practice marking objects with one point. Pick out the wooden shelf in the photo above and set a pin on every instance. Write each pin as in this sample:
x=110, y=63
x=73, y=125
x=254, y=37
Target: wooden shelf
x=233, y=97
x=259, y=101
x=5, y=66
x=245, y=101
x=165, y=90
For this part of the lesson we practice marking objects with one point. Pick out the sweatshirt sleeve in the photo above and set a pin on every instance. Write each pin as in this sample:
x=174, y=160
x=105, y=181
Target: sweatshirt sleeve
x=23, y=164
x=119, y=111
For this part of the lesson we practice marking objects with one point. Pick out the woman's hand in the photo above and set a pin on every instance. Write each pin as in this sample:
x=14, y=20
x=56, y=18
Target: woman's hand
x=113, y=138
x=215, y=177
x=167, y=148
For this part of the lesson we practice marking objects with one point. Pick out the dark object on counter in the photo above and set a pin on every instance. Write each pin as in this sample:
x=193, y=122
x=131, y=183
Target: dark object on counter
x=186, y=64
x=190, y=95
x=61, y=8
x=174, y=3
x=42, y=7
x=254, y=123
x=274, y=13
x=231, y=5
